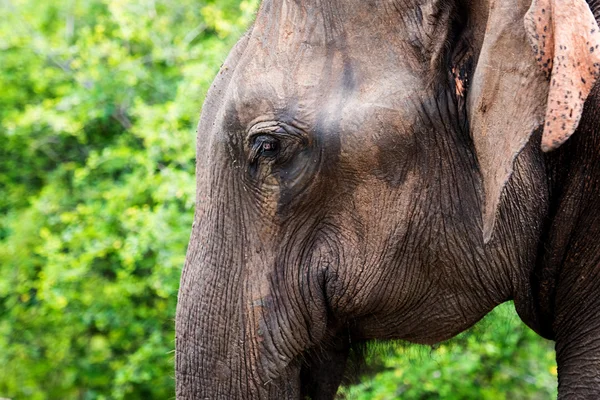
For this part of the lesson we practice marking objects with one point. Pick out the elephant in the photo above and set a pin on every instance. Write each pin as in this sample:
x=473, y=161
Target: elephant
x=392, y=169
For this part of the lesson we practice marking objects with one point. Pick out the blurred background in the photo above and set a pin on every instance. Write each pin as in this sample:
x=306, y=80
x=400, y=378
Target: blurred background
x=99, y=100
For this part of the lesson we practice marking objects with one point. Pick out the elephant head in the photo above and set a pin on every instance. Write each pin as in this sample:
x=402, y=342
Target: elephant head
x=372, y=169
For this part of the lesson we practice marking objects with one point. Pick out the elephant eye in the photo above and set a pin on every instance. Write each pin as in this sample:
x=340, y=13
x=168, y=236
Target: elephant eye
x=273, y=145
x=265, y=146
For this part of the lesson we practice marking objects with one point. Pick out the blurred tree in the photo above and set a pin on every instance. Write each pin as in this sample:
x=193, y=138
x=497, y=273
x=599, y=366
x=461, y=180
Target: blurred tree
x=99, y=104
x=97, y=119
x=499, y=358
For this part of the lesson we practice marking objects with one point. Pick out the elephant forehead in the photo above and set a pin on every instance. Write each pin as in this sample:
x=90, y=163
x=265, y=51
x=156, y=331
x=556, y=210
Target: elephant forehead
x=323, y=91
x=304, y=58
x=311, y=36
x=332, y=22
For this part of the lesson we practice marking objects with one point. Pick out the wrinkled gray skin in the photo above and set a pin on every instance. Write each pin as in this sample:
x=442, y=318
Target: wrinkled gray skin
x=340, y=200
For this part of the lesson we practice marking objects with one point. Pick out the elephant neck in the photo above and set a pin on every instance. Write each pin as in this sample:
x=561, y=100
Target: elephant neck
x=573, y=224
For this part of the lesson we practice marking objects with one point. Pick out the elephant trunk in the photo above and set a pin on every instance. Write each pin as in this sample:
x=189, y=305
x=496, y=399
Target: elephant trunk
x=219, y=344
x=242, y=323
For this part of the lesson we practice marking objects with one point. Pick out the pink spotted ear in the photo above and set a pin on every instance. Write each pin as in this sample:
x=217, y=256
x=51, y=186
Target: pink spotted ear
x=565, y=38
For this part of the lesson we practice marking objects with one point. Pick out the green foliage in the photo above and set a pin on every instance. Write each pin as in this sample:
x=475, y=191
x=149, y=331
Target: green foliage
x=500, y=358
x=97, y=124
x=99, y=104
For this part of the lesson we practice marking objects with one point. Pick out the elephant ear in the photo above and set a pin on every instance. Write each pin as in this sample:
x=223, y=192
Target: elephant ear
x=565, y=38
x=532, y=70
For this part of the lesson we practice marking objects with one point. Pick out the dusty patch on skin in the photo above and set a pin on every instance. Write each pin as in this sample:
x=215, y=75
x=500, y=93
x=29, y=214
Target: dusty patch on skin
x=566, y=41
x=460, y=82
